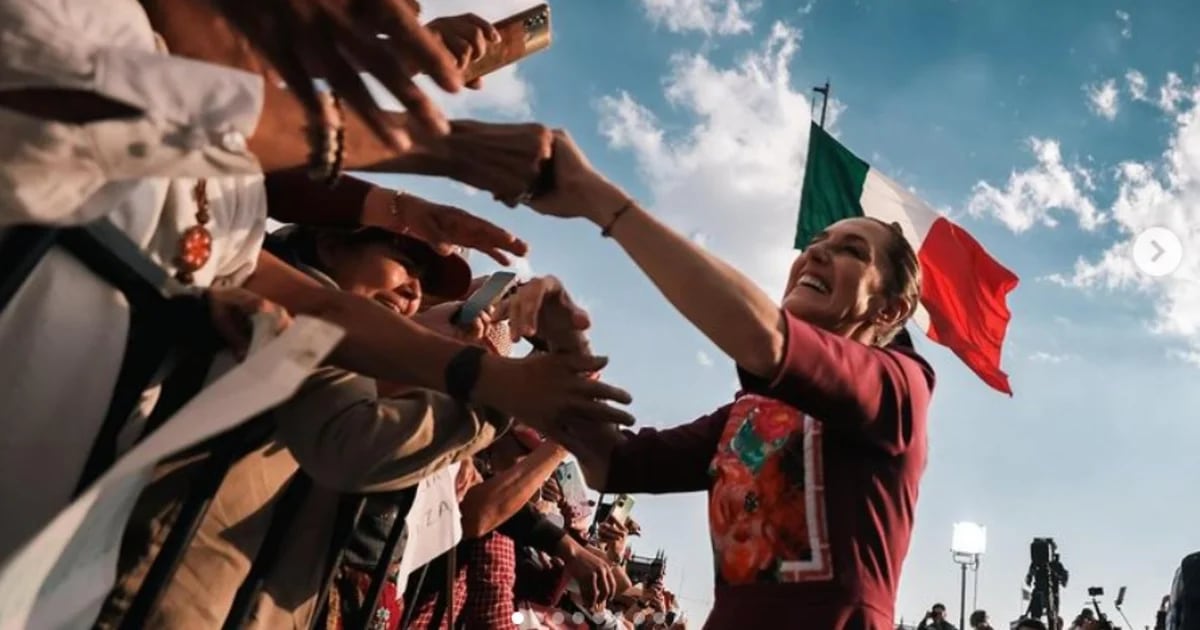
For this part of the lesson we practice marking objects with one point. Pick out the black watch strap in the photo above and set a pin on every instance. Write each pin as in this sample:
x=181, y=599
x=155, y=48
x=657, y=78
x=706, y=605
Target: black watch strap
x=462, y=373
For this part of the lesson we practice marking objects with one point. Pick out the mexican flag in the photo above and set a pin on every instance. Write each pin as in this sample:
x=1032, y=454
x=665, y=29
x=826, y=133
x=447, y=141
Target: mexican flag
x=963, y=288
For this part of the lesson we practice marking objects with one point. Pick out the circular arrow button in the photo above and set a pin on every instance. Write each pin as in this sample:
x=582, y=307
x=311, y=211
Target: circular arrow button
x=1157, y=252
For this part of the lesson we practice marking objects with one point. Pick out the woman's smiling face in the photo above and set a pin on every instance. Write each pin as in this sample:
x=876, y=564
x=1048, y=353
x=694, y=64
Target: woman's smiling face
x=379, y=271
x=838, y=283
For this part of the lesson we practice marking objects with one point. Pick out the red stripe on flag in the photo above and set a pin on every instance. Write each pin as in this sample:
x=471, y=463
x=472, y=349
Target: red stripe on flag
x=963, y=289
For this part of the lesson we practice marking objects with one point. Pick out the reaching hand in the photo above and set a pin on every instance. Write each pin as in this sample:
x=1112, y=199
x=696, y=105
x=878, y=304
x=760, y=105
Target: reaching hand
x=467, y=37
x=292, y=43
x=578, y=190
x=542, y=308
x=231, y=310
x=613, y=534
x=597, y=581
x=447, y=228
x=543, y=391
x=503, y=159
x=551, y=493
x=339, y=41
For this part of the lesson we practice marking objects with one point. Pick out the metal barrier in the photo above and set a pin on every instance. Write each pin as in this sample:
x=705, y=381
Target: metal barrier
x=157, y=352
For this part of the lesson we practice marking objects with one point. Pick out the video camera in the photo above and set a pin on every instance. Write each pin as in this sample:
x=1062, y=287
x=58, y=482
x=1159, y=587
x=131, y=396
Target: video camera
x=1047, y=576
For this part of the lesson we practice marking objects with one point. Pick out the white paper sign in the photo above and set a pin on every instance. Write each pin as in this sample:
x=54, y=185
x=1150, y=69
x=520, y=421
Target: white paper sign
x=61, y=577
x=433, y=525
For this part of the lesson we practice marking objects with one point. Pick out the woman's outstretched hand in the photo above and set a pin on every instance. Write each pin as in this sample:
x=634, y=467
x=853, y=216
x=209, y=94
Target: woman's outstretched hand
x=576, y=189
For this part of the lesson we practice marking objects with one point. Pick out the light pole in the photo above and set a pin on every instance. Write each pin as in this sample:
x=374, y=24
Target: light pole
x=968, y=543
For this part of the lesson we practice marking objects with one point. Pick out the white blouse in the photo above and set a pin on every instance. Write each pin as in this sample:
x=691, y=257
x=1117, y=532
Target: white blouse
x=62, y=337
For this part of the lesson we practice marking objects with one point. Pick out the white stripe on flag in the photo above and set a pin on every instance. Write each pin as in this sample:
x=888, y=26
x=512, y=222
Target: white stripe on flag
x=888, y=201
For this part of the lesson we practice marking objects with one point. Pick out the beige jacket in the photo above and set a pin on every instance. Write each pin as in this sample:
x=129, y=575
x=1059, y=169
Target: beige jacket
x=347, y=440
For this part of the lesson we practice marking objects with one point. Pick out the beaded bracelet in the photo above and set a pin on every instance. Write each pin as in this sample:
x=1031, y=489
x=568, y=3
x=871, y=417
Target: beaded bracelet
x=328, y=141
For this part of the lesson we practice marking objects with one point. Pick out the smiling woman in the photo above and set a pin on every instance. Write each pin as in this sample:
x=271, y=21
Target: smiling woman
x=392, y=269
x=812, y=471
x=899, y=282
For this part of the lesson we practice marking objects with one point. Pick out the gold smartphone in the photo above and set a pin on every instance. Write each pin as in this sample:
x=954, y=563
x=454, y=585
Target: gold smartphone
x=521, y=35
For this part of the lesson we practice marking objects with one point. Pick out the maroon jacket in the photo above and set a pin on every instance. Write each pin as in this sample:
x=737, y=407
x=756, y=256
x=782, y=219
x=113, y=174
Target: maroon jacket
x=812, y=479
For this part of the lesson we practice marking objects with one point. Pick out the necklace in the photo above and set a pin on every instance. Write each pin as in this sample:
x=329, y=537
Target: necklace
x=195, y=244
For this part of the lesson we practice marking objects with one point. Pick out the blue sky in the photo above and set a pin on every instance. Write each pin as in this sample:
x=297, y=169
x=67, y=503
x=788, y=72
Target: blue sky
x=1054, y=132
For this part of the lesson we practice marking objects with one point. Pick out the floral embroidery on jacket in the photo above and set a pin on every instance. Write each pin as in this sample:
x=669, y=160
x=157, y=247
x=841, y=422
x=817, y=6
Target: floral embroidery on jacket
x=767, y=505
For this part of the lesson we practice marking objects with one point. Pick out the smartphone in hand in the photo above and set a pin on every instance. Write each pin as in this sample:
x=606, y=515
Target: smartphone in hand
x=493, y=290
x=521, y=35
x=570, y=482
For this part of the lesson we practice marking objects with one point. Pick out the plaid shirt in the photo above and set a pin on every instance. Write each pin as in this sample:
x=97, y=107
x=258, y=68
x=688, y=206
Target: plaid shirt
x=491, y=577
x=426, y=604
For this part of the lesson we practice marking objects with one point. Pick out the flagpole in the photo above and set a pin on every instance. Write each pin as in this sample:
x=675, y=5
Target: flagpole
x=823, y=90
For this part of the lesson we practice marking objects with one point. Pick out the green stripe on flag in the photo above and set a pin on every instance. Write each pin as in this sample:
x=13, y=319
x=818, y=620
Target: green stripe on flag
x=833, y=183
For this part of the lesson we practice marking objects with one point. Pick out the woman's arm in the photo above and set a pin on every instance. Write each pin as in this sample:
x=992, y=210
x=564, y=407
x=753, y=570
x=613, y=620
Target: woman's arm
x=496, y=499
x=725, y=305
x=651, y=460
x=292, y=197
x=381, y=344
x=378, y=342
x=745, y=323
x=349, y=439
x=829, y=377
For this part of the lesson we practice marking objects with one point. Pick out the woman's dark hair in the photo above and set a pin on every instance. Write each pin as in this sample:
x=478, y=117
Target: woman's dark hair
x=903, y=279
x=978, y=617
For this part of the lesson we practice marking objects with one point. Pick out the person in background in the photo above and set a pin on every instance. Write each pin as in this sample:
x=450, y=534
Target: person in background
x=1085, y=620
x=1029, y=624
x=979, y=620
x=935, y=619
x=826, y=443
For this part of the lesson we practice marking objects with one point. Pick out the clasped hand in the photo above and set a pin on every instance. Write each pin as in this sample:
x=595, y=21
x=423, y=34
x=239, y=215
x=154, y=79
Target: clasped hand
x=542, y=309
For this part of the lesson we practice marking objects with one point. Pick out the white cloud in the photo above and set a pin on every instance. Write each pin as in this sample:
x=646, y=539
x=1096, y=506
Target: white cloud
x=1103, y=98
x=1171, y=94
x=736, y=170
x=1048, y=357
x=712, y=17
x=1030, y=196
x=1126, y=25
x=1163, y=193
x=1136, y=82
x=703, y=359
